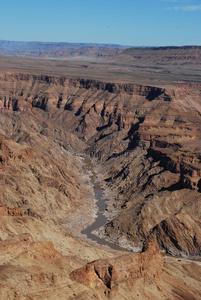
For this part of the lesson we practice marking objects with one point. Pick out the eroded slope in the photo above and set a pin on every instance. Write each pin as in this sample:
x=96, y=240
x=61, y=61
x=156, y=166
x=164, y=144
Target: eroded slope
x=147, y=142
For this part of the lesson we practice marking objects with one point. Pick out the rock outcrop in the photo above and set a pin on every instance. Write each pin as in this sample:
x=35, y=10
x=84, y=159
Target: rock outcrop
x=110, y=274
x=132, y=276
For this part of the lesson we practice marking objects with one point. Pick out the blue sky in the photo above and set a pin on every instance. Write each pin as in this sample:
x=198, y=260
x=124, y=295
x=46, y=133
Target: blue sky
x=126, y=22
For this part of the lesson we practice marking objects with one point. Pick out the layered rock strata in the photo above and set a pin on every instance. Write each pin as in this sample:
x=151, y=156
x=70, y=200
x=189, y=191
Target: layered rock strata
x=146, y=141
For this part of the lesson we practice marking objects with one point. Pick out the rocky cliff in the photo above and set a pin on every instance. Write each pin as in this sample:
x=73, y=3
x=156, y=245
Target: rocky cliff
x=146, y=141
x=136, y=276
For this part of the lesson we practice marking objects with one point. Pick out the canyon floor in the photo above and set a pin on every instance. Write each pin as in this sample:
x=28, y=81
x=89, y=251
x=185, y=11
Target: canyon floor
x=136, y=117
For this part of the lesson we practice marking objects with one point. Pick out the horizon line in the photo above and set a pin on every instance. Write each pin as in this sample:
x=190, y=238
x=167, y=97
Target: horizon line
x=103, y=44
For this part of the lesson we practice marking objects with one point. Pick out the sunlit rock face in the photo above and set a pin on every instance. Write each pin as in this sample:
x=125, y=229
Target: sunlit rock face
x=146, y=142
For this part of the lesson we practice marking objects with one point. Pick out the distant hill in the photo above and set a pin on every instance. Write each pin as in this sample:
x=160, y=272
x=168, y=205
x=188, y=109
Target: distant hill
x=138, y=56
x=163, y=55
x=49, y=49
x=98, y=52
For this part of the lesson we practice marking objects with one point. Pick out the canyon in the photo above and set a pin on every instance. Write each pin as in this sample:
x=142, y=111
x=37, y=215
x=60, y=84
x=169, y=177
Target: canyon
x=142, y=138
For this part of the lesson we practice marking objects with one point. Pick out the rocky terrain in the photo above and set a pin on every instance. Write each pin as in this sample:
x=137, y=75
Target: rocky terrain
x=146, y=142
x=140, y=276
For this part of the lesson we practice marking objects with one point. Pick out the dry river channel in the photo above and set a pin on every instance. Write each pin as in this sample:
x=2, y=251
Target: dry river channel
x=100, y=203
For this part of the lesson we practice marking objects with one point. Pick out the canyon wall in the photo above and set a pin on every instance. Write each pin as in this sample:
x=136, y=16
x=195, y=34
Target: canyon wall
x=147, y=141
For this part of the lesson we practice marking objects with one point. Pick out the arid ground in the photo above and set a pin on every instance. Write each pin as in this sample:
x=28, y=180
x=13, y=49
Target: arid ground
x=135, y=115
